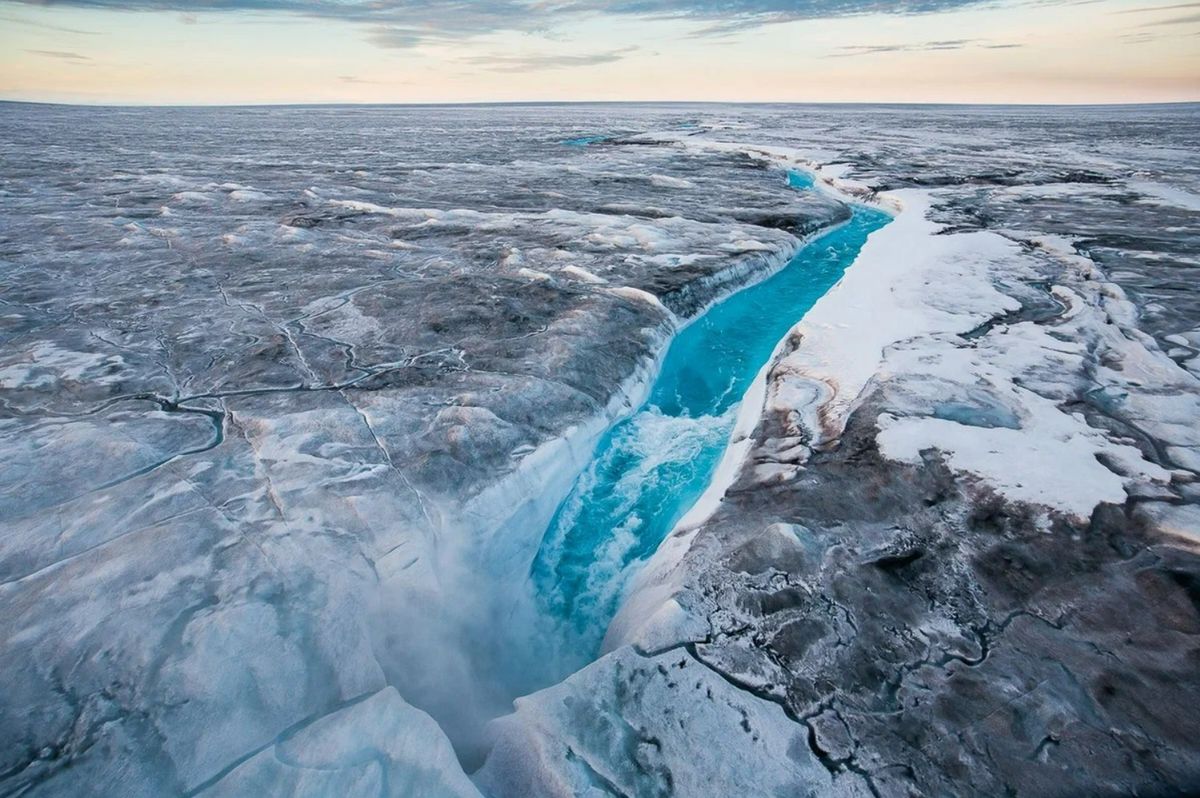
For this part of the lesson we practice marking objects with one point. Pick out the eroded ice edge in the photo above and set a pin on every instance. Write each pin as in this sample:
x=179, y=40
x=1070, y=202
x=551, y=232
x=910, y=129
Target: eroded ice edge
x=649, y=471
x=948, y=550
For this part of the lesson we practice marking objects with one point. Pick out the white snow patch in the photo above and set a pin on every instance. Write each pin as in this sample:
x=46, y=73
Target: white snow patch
x=533, y=274
x=663, y=181
x=582, y=274
x=246, y=195
x=1161, y=194
x=905, y=282
x=1050, y=461
x=629, y=292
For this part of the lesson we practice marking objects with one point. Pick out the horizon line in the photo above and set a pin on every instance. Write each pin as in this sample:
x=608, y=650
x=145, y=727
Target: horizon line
x=528, y=103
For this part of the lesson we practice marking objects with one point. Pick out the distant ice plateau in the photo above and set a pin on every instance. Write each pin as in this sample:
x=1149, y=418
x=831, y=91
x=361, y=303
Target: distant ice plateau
x=289, y=396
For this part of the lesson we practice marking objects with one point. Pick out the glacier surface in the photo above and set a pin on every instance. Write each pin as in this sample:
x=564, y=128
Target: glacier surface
x=289, y=398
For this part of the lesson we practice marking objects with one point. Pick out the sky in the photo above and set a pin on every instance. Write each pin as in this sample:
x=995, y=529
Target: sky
x=448, y=51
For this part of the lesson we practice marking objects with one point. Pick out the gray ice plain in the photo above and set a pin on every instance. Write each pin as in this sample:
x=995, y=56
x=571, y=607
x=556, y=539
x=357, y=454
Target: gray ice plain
x=293, y=402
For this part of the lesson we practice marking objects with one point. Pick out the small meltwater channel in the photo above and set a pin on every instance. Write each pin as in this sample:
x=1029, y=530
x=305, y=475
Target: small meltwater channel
x=649, y=470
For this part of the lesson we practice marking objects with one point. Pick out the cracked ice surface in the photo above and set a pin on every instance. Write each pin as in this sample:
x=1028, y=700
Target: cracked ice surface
x=282, y=390
x=960, y=553
x=287, y=394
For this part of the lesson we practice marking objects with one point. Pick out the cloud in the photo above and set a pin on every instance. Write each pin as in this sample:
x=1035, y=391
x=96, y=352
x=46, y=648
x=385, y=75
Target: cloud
x=1187, y=19
x=357, y=81
x=724, y=30
x=537, y=63
x=394, y=38
x=871, y=49
x=46, y=26
x=60, y=54
x=408, y=23
x=1157, y=8
x=1140, y=38
x=1190, y=19
x=919, y=47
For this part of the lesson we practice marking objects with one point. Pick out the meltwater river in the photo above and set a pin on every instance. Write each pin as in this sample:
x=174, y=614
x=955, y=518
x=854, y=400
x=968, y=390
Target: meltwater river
x=649, y=470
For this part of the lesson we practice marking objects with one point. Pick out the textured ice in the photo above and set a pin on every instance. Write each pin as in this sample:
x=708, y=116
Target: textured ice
x=990, y=479
x=377, y=746
x=288, y=398
x=285, y=415
x=639, y=740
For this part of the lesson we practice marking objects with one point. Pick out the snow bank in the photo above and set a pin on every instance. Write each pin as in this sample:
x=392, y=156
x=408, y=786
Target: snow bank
x=1044, y=456
x=905, y=283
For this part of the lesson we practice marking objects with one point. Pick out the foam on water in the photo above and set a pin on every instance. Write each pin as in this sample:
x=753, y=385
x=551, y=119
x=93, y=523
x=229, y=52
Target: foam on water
x=628, y=499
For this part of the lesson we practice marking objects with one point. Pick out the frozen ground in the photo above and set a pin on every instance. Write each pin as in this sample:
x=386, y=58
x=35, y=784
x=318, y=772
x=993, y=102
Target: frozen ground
x=290, y=396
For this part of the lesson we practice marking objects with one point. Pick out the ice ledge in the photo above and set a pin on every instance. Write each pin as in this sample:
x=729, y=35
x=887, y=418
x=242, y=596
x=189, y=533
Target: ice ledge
x=379, y=745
